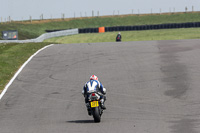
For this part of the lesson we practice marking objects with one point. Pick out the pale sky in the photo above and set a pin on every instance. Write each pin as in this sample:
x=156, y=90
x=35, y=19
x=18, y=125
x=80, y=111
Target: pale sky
x=19, y=9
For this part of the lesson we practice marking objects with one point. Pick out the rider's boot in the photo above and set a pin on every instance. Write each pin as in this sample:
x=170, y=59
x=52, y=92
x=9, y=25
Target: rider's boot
x=102, y=104
x=88, y=108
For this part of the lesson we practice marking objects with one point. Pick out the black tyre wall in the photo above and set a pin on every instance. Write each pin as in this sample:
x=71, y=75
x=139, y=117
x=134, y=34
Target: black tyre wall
x=142, y=27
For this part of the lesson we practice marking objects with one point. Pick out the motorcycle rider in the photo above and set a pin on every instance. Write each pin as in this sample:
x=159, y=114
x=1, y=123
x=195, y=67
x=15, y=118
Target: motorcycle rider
x=94, y=85
x=119, y=37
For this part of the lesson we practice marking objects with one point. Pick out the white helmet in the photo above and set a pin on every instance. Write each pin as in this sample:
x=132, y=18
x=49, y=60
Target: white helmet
x=94, y=77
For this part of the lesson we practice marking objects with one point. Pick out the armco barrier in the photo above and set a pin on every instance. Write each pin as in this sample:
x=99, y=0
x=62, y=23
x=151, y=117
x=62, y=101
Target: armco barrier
x=44, y=36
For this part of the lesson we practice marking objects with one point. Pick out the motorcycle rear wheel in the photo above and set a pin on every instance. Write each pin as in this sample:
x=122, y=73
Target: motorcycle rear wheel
x=96, y=115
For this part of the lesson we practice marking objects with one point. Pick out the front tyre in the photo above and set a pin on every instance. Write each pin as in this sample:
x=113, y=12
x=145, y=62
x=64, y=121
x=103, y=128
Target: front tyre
x=96, y=115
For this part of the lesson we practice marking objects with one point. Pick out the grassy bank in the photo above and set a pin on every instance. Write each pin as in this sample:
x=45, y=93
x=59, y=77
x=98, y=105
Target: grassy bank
x=28, y=30
x=12, y=56
x=170, y=34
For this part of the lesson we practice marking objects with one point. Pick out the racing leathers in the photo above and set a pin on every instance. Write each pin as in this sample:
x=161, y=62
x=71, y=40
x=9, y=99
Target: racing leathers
x=94, y=86
x=119, y=37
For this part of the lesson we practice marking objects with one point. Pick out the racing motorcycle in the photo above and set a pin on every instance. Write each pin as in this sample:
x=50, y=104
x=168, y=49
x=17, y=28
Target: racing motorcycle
x=95, y=106
x=118, y=38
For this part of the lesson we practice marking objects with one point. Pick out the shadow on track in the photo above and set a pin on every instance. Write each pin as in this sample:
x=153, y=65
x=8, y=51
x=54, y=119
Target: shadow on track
x=81, y=121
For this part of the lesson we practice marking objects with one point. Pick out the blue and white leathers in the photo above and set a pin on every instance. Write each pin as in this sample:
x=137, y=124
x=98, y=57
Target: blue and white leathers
x=92, y=86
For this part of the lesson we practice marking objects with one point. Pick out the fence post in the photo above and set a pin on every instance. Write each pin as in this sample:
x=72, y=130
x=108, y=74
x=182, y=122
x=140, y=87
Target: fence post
x=31, y=19
x=160, y=11
x=1, y=20
x=192, y=8
x=132, y=11
x=9, y=19
x=41, y=17
x=92, y=13
x=63, y=16
x=186, y=9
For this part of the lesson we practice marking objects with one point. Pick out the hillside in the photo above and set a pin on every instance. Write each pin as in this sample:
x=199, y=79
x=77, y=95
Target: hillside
x=29, y=30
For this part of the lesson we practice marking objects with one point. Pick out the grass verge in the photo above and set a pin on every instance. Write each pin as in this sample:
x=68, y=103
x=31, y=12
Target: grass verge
x=12, y=56
x=170, y=34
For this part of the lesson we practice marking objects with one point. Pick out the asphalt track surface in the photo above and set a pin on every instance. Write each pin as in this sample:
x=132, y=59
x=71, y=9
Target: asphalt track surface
x=152, y=87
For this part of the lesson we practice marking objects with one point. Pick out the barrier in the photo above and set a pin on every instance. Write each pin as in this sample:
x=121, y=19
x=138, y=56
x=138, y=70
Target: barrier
x=152, y=27
x=88, y=30
x=104, y=29
x=44, y=36
x=101, y=29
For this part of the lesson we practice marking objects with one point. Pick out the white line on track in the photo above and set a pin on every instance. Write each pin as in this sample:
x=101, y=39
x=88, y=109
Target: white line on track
x=21, y=68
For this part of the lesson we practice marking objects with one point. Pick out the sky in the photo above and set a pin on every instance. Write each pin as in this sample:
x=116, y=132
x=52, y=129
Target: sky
x=23, y=9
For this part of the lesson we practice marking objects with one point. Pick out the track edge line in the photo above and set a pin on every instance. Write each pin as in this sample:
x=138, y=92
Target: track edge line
x=20, y=69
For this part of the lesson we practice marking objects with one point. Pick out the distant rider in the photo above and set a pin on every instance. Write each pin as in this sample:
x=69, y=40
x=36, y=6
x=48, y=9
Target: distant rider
x=94, y=85
x=119, y=37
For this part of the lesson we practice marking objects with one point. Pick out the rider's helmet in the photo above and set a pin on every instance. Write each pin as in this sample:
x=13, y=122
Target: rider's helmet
x=93, y=77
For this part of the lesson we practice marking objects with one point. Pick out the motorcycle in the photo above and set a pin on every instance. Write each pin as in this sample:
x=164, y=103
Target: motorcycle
x=95, y=106
x=118, y=38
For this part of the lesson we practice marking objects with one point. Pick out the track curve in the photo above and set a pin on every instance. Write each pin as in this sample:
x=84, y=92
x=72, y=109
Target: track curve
x=152, y=87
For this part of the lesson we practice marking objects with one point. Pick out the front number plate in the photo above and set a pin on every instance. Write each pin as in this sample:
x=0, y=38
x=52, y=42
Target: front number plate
x=94, y=104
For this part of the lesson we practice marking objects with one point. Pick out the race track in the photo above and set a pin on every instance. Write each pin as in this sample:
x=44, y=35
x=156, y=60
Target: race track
x=152, y=87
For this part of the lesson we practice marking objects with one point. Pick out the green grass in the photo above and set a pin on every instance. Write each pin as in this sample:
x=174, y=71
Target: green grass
x=12, y=56
x=170, y=34
x=29, y=30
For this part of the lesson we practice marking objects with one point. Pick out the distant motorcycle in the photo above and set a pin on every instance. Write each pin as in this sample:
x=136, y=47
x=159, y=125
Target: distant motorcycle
x=95, y=106
x=119, y=37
